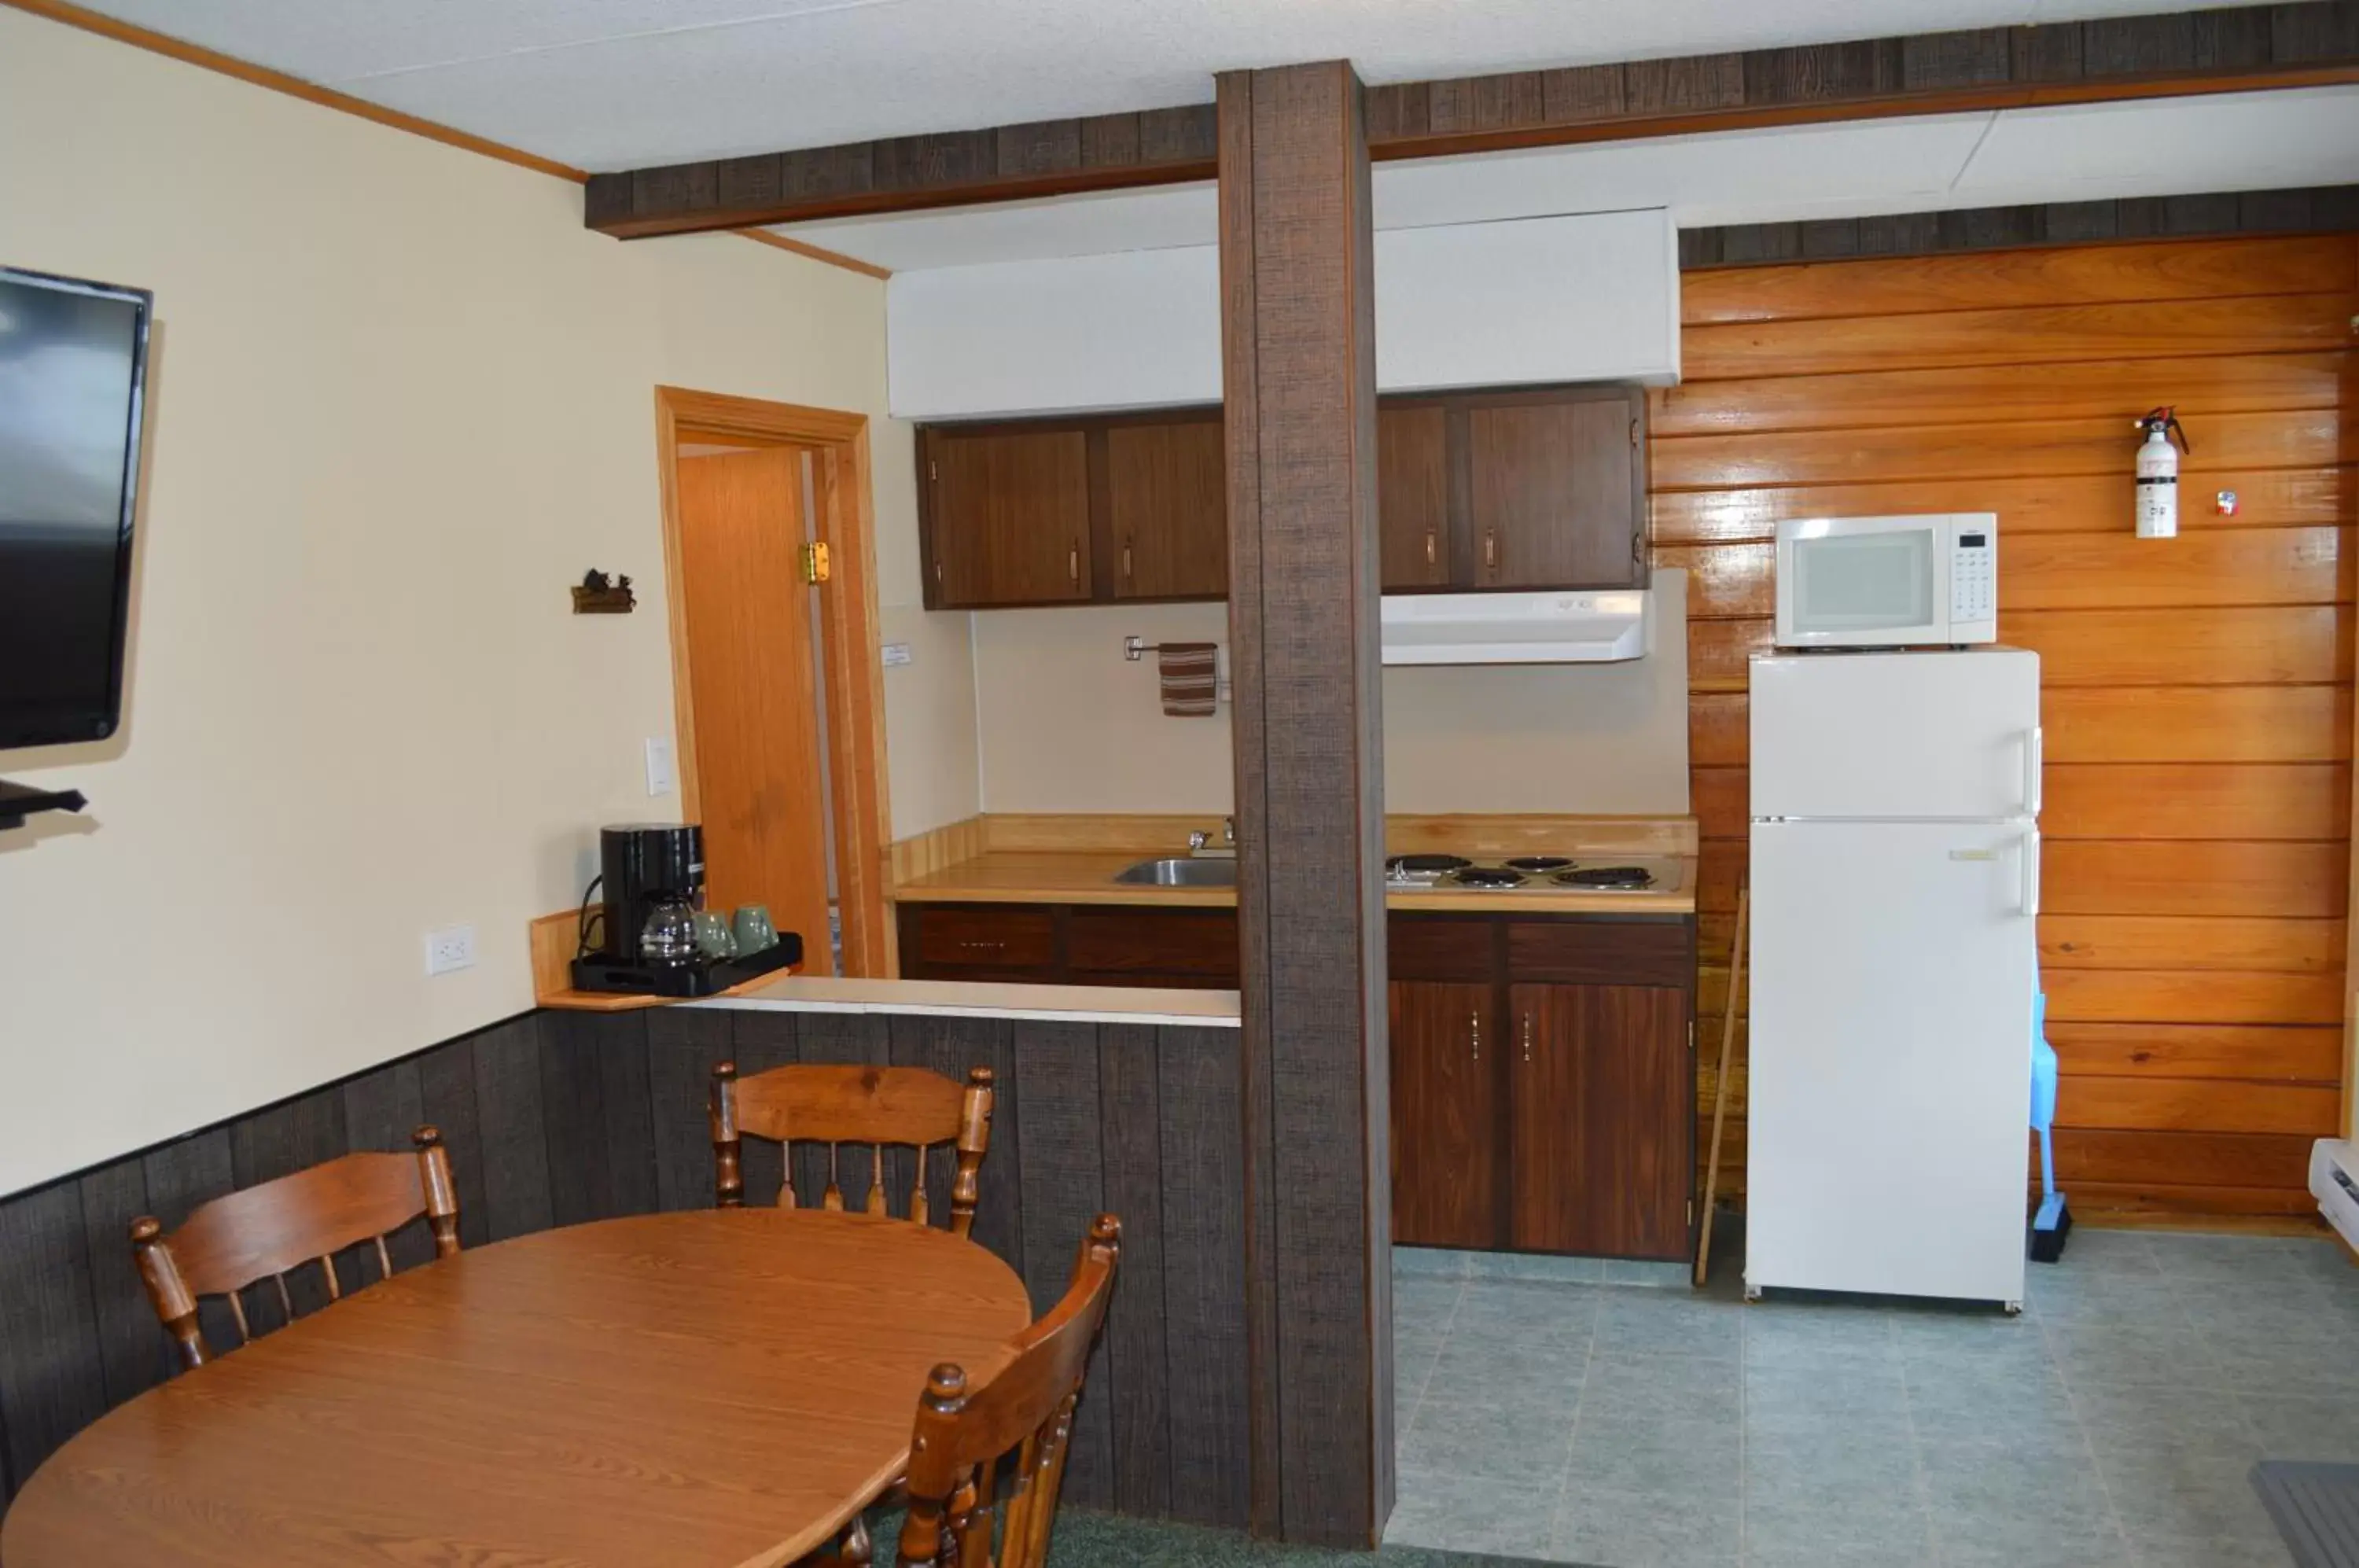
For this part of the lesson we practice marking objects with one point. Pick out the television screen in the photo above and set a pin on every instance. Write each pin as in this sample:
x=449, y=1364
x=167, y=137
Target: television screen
x=72, y=364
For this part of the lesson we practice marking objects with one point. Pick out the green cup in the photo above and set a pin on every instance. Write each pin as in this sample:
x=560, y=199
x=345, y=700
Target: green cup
x=715, y=938
x=754, y=931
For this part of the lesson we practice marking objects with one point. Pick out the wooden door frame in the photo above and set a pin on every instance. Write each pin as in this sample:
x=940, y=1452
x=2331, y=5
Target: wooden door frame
x=854, y=680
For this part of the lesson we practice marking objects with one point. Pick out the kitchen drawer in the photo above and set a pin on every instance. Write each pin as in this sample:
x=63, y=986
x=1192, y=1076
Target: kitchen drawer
x=1643, y=951
x=980, y=936
x=1441, y=947
x=1119, y=942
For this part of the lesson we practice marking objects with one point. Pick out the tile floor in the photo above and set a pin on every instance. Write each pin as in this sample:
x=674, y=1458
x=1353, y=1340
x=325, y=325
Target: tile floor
x=2113, y=1425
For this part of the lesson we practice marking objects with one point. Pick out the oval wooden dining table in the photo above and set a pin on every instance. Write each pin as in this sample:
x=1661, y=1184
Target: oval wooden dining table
x=715, y=1389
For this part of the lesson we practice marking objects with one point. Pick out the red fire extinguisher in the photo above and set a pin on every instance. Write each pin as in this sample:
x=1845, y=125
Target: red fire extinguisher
x=2158, y=474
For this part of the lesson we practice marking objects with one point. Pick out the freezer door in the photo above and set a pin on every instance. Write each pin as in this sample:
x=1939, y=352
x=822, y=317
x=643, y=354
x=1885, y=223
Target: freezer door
x=1896, y=734
x=1891, y=1058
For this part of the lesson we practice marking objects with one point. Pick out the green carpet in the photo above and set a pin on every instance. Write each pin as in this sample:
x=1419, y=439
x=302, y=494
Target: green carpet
x=1087, y=1539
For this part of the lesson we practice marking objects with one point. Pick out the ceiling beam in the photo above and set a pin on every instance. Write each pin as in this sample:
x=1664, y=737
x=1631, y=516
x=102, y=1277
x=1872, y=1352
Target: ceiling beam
x=2318, y=210
x=2186, y=53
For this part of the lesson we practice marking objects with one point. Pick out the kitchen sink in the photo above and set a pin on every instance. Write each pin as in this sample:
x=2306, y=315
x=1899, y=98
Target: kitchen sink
x=1181, y=872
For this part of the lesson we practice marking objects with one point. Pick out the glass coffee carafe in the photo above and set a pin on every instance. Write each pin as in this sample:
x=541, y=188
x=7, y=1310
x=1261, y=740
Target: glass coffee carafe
x=668, y=937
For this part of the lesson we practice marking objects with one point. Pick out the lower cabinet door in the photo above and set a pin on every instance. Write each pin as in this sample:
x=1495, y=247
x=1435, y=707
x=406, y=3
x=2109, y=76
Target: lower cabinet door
x=1602, y=1119
x=1446, y=1143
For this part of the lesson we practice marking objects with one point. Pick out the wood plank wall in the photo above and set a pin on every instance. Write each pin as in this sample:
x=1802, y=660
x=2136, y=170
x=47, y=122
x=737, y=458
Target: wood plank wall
x=2197, y=693
x=558, y=1118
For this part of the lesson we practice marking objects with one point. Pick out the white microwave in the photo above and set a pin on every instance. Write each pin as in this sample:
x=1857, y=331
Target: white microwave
x=1928, y=581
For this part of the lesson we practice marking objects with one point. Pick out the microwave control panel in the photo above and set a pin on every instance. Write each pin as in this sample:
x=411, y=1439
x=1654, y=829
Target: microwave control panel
x=1973, y=578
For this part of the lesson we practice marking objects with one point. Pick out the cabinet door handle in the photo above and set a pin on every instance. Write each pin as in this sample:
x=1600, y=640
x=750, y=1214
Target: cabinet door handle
x=1125, y=561
x=982, y=946
x=1491, y=549
x=1074, y=564
x=1475, y=1028
x=1527, y=1037
x=1432, y=550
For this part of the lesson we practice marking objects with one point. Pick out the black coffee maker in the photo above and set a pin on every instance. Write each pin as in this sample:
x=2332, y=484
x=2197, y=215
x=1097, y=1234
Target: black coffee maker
x=649, y=869
x=652, y=878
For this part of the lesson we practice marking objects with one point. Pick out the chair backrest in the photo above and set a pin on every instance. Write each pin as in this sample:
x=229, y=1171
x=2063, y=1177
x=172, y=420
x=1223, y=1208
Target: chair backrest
x=1028, y=1406
x=262, y=1232
x=840, y=1104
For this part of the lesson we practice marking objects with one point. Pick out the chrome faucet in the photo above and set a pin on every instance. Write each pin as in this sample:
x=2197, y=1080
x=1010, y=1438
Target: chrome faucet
x=1201, y=842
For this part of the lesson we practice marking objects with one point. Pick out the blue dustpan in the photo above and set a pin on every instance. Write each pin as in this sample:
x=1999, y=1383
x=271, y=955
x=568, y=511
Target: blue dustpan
x=2054, y=1221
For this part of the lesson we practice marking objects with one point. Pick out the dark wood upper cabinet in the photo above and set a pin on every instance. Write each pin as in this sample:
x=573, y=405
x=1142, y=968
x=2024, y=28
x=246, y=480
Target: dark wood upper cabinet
x=1413, y=496
x=1007, y=515
x=1516, y=489
x=1168, y=511
x=1557, y=491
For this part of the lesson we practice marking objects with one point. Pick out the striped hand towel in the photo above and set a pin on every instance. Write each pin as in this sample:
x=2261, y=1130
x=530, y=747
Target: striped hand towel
x=1191, y=673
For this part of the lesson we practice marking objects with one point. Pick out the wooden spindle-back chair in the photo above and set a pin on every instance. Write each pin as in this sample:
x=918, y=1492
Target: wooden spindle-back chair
x=264, y=1231
x=836, y=1106
x=962, y=1432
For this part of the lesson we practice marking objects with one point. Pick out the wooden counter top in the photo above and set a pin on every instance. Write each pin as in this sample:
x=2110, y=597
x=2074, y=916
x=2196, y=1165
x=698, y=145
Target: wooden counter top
x=1074, y=860
x=1042, y=877
x=978, y=998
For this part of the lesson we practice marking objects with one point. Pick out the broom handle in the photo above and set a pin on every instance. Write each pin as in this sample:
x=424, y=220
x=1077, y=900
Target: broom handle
x=1719, y=1083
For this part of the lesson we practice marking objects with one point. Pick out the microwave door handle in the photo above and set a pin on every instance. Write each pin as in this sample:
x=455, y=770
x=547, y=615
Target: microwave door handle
x=2035, y=747
x=2031, y=875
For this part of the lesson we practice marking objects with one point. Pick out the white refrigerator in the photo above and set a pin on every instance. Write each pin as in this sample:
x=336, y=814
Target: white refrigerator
x=1896, y=887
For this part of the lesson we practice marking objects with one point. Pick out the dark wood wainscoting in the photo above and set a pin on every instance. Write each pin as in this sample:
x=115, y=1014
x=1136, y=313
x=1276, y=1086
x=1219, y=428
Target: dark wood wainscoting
x=558, y=1118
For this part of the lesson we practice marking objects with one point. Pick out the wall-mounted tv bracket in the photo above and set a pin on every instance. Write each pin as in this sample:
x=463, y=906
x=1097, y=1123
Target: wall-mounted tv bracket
x=18, y=801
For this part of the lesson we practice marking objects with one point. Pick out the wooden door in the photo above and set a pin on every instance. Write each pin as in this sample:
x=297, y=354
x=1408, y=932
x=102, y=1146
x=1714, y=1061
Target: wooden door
x=1555, y=494
x=1601, y=1145
x=755, y=689
x=1446, y=1144
x=1009, y=516
x=1413, y=496
x=1167, y=504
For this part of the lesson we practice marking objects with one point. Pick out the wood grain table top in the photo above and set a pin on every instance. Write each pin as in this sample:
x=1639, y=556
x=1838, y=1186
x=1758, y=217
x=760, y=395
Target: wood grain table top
x=712, y=1389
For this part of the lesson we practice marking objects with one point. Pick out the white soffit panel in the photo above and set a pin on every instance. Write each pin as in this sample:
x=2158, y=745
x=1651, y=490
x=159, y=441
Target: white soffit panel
x=1871, y=160
x=1162, y=218
x=2238, y=141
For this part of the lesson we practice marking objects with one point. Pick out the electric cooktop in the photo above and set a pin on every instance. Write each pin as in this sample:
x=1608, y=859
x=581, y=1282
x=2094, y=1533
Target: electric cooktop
x=1596, y=873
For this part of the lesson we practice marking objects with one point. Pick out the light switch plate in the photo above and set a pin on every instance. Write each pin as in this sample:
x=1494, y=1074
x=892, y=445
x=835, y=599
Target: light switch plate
x=662, y=777
x=896, y=653
x=452, y=947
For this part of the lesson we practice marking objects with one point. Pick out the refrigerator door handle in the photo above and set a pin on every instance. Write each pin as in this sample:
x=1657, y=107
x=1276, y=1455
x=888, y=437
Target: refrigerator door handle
x=2035, y=746
x=2031, y=874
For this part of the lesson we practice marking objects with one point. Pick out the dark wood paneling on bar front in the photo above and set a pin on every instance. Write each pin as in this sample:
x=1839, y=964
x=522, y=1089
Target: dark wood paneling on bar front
x=565, y=1117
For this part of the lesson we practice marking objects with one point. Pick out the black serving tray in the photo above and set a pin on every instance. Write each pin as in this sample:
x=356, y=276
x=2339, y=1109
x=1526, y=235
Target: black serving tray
x=703, y=978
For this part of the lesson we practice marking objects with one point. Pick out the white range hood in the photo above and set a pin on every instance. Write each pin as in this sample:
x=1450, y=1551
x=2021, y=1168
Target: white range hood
x=1515, y=628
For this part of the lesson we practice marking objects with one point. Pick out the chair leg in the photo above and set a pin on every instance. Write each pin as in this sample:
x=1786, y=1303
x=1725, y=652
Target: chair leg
x=856, y=1547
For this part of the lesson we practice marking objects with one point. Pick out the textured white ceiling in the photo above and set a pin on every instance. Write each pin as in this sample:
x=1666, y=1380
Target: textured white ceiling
x=2162, y=146
x=617, y=83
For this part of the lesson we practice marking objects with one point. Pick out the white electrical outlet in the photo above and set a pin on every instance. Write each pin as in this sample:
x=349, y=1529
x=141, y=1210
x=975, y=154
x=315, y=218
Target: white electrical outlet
x=452, y=947
x=663, y=778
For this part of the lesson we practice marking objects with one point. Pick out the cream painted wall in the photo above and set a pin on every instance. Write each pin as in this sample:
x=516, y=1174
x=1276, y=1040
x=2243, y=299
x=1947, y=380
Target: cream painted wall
x=1069, y=725
x=401, y=398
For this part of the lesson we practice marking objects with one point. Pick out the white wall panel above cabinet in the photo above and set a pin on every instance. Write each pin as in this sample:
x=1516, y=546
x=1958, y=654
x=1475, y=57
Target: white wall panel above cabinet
x=1588, y=298
x=1136, y=330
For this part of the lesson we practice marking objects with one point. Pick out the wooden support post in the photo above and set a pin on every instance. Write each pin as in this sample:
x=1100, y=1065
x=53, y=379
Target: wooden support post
x=1298, y=375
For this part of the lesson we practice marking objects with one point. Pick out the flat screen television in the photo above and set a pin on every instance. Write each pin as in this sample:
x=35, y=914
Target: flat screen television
x=73, y=363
